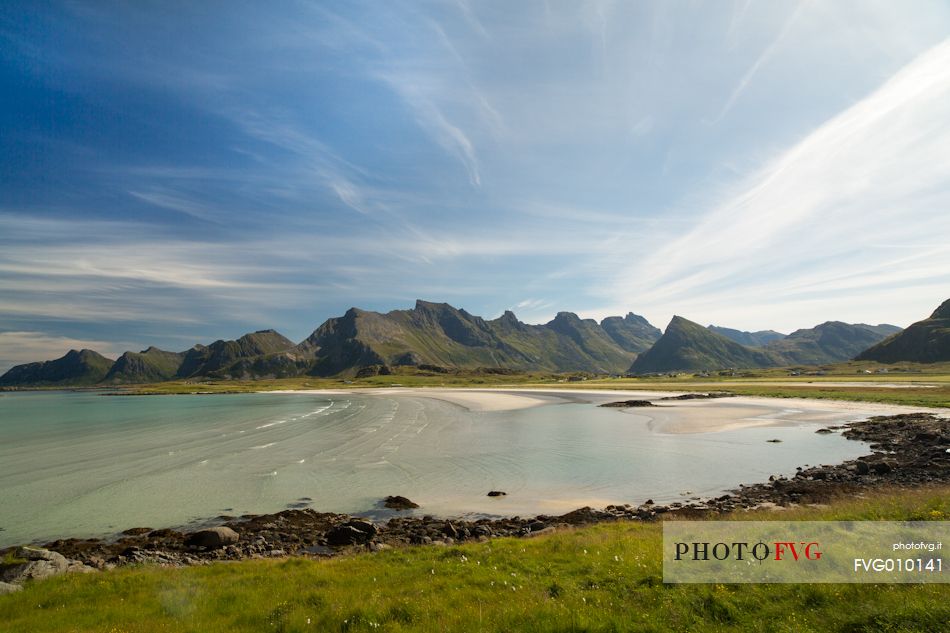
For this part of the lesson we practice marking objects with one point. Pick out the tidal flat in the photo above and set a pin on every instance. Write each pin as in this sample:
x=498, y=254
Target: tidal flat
x=80, y=464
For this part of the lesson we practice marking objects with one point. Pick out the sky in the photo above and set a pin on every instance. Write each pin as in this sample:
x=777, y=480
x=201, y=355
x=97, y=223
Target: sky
x=174, y=173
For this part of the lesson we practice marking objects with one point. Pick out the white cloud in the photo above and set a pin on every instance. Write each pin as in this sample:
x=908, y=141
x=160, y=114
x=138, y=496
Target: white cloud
x=21, y=347
x=434, y=121
x=181, y=204
x=812, y=219
x=760, y=61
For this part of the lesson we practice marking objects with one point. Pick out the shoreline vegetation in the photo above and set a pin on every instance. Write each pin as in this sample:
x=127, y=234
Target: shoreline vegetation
x=604, y=577
x=911, y=384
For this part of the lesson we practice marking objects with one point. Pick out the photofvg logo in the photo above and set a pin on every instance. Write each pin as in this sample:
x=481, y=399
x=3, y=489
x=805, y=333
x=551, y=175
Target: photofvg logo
x=742, y=550
x=804, y=551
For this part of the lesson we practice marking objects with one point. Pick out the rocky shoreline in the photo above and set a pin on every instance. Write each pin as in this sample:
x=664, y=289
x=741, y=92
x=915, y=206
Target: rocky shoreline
x=908, y=450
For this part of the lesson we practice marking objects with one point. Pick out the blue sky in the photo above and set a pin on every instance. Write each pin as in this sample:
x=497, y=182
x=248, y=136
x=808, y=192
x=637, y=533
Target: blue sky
x=173, y=173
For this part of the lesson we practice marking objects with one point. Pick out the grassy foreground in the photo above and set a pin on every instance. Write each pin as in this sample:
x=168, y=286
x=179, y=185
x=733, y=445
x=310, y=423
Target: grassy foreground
x=601, y=578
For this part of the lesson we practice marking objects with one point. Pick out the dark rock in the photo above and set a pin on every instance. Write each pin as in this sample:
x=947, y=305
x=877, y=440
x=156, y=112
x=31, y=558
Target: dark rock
x=774, y=441
x=212, y=538
x=366, y=527
x=399, y=503
x=628, y=404
x=165, y=533
x=583, y=515
x=137, y=531
x=354, y=532
x=346, y=535
x=420, y=539
x=497, y=493
x=881, y=468
x=701, y=396
x=824, y=431
x=862, y=468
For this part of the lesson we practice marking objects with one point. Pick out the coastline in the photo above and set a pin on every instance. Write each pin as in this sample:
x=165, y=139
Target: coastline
x=906, y=450
x=693, y=416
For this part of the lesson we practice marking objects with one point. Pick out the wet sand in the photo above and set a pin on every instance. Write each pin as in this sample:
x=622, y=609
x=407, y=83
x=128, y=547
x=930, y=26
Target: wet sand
x=668, y=416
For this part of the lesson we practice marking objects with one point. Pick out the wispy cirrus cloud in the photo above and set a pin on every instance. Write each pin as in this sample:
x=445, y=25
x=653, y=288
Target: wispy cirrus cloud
x=18, y=347
x=812, y=219
x=760, y=61
x=270, y=168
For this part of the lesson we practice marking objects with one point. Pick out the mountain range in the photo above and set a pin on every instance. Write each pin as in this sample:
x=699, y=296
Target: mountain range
x=688, y=346
x=429, y=334
x=438, y=334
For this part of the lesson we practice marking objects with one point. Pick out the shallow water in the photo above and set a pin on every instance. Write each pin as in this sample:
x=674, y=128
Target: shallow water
x=80, y=464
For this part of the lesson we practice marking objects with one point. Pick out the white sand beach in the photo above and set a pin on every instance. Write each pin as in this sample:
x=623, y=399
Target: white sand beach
x=671, y=416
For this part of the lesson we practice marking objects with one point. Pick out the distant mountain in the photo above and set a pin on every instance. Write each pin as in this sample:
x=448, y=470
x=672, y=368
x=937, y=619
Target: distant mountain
x=429, y=333
x=150, y=365
x=84, y=367
x=259, y=354
x=632, y=332
x=439, y=334
x=926, y=341
x=749, y=339
x=227, y=359
x=831, y=342
x=688, y=346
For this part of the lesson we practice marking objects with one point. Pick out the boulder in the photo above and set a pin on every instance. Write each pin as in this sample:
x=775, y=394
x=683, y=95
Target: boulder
x=212, y=538
x=40, y=564
x=346, y=535
x=882, y=468
x=399, y=503
x=497, y=493
x=364, y=526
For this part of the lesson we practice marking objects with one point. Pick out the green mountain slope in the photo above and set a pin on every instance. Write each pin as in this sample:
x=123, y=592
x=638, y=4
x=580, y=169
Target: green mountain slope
x=84, y=367
x=831, y=342
x=439, y=334
x=688, y=346
x=219, y=358
x=749, y=339
x=150, y=365
x=926, y=341
x=632, y=333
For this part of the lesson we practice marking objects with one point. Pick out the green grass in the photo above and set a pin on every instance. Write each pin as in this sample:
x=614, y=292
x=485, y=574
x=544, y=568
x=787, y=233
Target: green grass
x=402, y=377
x=601, y=578
x=775, y=383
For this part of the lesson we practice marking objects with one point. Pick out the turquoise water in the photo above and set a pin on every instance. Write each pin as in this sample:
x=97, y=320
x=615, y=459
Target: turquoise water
x=82, y=464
